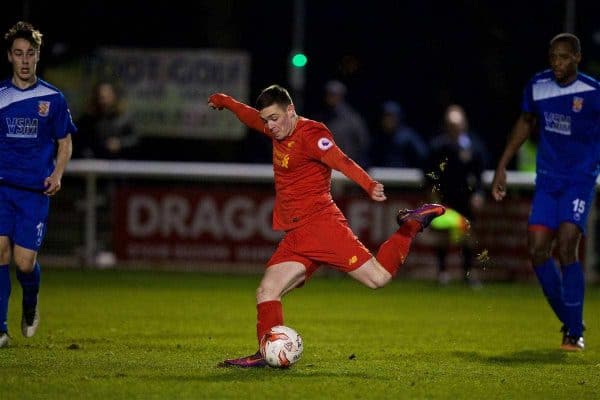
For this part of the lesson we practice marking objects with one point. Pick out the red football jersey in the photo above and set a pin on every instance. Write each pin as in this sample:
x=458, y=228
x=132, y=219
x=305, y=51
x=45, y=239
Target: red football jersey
x=302, y=163
x=302, y=181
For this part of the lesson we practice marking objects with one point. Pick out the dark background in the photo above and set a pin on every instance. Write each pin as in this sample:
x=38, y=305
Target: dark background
x=425, y=54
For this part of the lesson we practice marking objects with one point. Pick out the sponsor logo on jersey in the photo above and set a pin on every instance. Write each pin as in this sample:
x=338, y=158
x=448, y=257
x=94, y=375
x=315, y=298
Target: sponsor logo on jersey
x=577, y=104
x=324, y=144
x=558, y=123
x=43, y=108
x=352, y=260
x=26, y=128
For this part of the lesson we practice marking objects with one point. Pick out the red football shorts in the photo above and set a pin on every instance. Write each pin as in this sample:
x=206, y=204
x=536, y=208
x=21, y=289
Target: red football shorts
x=327, y=239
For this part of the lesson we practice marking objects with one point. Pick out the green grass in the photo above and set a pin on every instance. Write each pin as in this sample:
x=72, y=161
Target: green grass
x=142, y=335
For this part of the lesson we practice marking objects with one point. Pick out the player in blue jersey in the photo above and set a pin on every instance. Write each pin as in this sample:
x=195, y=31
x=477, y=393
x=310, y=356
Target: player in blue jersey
x=564, y=105
x=35, y=147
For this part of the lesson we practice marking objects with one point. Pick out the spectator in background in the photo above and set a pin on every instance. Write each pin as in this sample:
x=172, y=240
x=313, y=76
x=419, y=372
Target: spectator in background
x=396, y=144
x=106, y=129
x=456, y=163
x=347, y=125
x=107, y=132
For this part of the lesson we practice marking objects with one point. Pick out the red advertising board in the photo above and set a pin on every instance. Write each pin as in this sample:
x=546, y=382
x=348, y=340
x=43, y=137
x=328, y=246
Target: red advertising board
x=224, y=225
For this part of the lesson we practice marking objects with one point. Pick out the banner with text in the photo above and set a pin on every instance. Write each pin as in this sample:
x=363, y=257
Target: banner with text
x=224, y=226
x=166, y=90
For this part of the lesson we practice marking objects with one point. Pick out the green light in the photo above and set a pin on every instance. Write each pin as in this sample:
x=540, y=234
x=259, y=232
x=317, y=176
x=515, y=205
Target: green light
x=299, y=60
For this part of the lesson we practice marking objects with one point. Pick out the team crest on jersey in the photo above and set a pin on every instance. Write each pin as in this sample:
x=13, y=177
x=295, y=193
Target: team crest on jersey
x=324, y=143
x=43, y=108
x=577, y=104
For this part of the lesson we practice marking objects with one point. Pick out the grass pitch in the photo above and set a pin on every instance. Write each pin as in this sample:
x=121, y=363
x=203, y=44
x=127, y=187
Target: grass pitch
x=143, y=335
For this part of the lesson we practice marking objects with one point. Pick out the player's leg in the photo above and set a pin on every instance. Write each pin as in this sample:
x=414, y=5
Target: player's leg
x=7, y=219
x=573, y=282
x=573, y=212
x=30, y=228
x=286, y=270
x=540, y=239
x=442, y=247
x=5, y=289
x=541, y=233
x=395, y=249
x=371, y=274
x=28, y=275
x=449, y=229
x=278, y=280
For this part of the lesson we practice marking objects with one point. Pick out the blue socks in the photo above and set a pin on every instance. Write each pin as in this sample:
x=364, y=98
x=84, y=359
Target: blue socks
x=31, y=285
x=4, y=296
x=552, y=285
x=564, y=294
x=574, y=288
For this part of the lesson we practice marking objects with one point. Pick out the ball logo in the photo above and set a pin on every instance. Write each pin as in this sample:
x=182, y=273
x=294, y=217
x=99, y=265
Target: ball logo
x=324, y=143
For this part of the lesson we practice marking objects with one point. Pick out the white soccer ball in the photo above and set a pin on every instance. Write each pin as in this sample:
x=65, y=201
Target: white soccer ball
x=281, y=347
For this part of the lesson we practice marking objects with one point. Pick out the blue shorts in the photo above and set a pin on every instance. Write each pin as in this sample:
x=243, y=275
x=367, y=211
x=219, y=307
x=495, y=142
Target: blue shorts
x=23, y=216
x=560, y=200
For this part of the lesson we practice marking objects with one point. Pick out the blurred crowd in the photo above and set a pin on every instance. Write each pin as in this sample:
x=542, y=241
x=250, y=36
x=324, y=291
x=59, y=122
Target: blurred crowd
x=107, y=130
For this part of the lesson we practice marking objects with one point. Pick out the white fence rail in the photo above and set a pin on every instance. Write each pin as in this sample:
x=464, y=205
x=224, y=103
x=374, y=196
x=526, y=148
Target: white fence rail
x=91, y=170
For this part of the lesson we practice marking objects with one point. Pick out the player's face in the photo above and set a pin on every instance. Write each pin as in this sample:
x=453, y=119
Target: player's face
x=279, y=120
x=563, y=61
x=24, y=58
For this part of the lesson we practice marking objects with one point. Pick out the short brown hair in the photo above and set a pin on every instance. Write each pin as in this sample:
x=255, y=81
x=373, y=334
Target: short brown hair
x=23, y=30
x=274, y=94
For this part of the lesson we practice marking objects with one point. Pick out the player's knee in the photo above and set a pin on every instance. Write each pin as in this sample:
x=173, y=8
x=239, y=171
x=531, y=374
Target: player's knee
x=4, y=255
x=567, y=253
x=381, y=281
x=377, y=281
x=538, y=254
x=266, y=292
x=24, y=263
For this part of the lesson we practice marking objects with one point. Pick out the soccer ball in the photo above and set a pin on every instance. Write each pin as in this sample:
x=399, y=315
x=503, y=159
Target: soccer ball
x=281, y=347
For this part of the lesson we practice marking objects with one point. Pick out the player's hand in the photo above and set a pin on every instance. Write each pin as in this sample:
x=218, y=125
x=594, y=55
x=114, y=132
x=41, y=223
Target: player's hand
x=52, y=185
x=377, y=192
x=216, y=101
x=499, y=185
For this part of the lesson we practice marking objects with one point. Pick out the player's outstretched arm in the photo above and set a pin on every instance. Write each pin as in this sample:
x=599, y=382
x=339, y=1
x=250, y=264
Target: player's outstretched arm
x=520, y=132
x=247, y=115
x=336, y=159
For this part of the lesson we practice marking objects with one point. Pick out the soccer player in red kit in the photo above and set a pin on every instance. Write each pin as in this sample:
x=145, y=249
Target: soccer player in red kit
x=304, y=154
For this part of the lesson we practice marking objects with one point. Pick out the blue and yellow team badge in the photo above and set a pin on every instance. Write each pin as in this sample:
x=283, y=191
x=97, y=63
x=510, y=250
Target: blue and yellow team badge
x=43, y=108
x=577, y=104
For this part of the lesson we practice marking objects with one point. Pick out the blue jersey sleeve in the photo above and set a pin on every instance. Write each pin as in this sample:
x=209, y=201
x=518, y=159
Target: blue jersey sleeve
x=64, y=121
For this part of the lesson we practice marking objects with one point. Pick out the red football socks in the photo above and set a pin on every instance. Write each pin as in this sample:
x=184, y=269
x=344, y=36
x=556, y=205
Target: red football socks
x=269, y=314
x=393, y=252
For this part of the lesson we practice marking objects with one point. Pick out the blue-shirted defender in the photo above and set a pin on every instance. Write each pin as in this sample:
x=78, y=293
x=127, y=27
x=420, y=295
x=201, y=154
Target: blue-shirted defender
x=564, y=105
x=35, y=147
